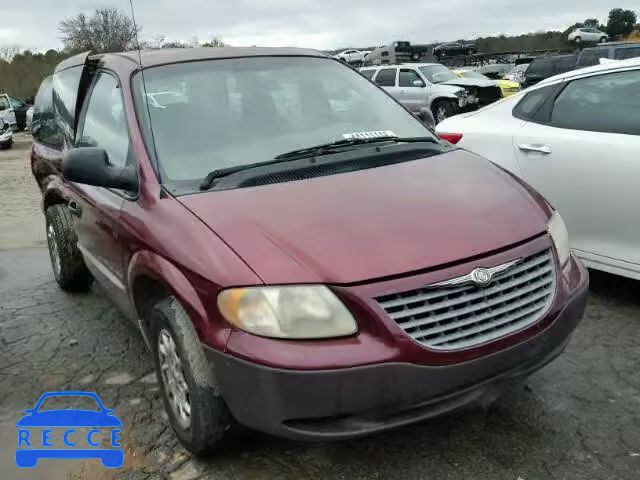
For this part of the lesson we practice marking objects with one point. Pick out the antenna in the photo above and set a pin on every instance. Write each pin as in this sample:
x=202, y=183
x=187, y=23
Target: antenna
x=154, y=157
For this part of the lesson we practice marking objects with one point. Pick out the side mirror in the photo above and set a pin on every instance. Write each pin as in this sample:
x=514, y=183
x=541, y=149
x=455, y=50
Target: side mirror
x=90, y=166
x=418, y=83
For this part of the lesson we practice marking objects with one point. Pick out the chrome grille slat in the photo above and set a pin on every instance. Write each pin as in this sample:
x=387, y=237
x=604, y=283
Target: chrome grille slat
x=446, y=318
x=484, y=327
x=477, y=340
x=433, y=294
x=481, y=294
x=491, y=313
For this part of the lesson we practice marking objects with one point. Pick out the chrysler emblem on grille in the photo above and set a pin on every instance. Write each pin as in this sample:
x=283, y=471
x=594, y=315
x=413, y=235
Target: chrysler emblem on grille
x=480, y=276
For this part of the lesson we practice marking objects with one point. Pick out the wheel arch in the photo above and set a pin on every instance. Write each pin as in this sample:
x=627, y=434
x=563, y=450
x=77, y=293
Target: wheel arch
x=151, y=277
x=441, y=96
x=52, y=197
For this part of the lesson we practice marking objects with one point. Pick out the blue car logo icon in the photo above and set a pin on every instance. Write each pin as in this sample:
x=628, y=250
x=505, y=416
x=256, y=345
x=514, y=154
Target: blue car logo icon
x=28, y=452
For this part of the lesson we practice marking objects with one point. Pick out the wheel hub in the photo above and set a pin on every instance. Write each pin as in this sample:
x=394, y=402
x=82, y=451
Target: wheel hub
x=173, y=379
x=54, y=252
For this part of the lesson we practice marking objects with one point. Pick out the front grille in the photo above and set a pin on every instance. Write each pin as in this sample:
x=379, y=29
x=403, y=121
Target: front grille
x=444, y=318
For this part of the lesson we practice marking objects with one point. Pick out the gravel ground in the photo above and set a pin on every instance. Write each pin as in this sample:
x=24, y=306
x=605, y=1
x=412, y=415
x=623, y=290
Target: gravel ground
x=579, y=418
x=21, y=224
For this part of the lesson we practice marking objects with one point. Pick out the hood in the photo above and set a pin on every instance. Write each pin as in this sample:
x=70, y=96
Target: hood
x=442, y=88
x=470, y=82
x=507, y=84
x=374, y=223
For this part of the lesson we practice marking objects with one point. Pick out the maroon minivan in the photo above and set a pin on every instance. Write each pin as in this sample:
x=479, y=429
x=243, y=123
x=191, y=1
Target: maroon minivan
x=302, y=255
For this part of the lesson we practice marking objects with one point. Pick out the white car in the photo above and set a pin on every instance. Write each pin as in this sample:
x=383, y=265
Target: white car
x=6, y=112
x=575, y=138
x=351, y=56
x=585, y=34
x=6, y=135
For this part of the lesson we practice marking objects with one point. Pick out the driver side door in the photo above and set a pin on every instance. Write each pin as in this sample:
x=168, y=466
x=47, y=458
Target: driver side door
x=412, y=89
x=96, y=209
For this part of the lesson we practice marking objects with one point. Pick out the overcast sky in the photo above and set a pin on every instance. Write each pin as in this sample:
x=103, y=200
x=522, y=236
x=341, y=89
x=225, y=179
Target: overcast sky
x=322, y=24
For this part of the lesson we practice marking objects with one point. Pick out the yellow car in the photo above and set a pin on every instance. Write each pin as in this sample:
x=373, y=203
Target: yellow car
x=508, y=87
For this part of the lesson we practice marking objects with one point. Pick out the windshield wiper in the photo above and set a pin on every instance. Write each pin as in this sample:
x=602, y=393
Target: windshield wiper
x=327, y=148
x=316, y=151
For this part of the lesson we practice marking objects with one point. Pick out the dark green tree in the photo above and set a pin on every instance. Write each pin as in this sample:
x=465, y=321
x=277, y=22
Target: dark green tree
x=592, y=23
x=621, y=22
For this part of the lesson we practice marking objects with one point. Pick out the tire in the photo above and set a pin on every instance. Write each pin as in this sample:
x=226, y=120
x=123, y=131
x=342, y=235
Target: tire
x=442, y=109
x=69, y=268
x=603, y=40
x=578, y=40
x=209, y=420
x=6, y=146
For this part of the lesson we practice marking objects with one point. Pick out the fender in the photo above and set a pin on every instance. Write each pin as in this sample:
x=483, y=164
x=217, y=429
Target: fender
x=54, y=191
x=160, y=269
x=440, y=95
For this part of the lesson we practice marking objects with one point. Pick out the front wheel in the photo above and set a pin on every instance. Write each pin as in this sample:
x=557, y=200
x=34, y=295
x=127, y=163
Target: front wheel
x=603, y=40
x=443, y=109
x=578, y=40
x=196, y=410
x=66, y=260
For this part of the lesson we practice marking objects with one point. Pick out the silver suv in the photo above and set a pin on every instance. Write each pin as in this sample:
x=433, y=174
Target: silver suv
x=412, y=88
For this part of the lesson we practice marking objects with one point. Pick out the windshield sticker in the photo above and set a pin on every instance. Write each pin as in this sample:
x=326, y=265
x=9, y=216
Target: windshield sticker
x=364, y=135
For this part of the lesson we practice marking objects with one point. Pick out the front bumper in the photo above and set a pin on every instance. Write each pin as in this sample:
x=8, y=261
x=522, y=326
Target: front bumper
x=6, y=138
x=351, y=402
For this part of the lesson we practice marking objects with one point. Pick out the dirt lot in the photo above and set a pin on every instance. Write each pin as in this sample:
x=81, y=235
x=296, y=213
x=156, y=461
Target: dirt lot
x=577, y=419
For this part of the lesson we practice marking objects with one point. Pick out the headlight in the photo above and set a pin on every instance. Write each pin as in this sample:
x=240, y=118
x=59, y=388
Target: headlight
x=558, y=231
x=294, y=312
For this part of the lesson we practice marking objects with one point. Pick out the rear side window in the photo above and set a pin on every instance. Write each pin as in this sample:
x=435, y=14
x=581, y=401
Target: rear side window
x=629, y=52
x=4, y=103
x=532, y=102
x=104, y=122
x=565, y=64
x=368, y=73
x=65, y=92
x=386, y=77
x=541, y=67
x=44, y=127
x=604, y=103
x=592, y=56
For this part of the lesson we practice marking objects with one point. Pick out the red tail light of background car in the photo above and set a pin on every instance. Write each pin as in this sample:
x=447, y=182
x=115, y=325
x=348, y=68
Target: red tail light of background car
x=451, y=137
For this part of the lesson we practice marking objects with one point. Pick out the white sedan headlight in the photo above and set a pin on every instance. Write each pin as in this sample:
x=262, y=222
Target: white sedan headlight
x=558, y=231
x=293, y=312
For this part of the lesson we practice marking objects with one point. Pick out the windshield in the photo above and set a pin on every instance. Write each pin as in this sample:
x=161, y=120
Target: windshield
x=438, y=73
x=243, y=111
x=473, y=74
